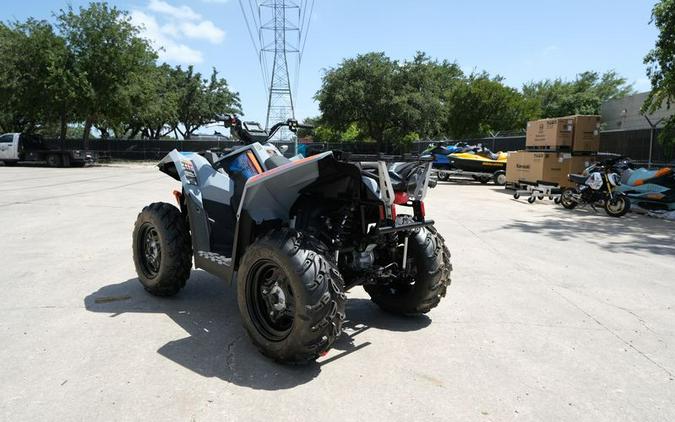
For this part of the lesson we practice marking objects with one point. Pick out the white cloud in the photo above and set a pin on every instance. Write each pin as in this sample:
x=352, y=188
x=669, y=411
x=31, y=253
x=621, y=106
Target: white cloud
x=177, y=12
x=203, y=30
x=161, y=38
x=170, y=27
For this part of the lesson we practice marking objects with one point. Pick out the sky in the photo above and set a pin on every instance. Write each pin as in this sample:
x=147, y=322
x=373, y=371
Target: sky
x=521, y=40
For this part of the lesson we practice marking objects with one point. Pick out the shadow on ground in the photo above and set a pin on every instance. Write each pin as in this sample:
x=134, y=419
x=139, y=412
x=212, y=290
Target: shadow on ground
x=218, y=346
x=632, y=233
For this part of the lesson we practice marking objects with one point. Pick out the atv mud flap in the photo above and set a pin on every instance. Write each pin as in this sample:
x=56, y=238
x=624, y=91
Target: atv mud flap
x=402, y=227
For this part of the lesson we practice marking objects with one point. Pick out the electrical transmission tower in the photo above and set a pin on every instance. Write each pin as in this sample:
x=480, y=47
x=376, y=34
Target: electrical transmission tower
x=281, y=34
x=280, y=102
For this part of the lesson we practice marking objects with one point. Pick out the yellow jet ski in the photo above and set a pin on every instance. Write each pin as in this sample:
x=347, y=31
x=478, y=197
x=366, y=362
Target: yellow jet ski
x=481, y=164
x=482, y=161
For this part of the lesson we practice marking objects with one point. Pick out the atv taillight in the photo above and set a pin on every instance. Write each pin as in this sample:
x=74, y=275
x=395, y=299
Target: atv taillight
x=383, y=213
x=401, y=198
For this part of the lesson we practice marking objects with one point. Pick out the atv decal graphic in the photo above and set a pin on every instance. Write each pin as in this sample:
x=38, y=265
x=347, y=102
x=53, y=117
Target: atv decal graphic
x=214, y=257
x=189, y=171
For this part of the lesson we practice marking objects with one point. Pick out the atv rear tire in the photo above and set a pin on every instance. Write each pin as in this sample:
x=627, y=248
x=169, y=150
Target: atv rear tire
x=291, y=296
x=162, y=249
x=431, y=258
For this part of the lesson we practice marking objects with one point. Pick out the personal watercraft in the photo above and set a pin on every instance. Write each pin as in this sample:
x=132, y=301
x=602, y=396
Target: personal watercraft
x=653, y=190
x=480, y=161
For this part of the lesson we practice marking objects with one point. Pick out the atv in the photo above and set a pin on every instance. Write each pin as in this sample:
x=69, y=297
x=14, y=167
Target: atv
x=295, y=235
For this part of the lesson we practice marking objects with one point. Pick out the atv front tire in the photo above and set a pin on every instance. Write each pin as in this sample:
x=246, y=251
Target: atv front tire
x=162, y=249
x=430, y=258
x=291, y=296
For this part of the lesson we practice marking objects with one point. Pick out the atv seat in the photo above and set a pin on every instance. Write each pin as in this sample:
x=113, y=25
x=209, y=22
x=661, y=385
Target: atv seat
x=577, y=178
x=276, y=161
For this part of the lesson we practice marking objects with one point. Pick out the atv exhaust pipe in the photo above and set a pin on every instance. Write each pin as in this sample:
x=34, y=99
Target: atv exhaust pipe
x=405, y=253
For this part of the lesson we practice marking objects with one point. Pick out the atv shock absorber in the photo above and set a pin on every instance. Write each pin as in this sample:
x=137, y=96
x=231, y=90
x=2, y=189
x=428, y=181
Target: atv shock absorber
x=344, y=228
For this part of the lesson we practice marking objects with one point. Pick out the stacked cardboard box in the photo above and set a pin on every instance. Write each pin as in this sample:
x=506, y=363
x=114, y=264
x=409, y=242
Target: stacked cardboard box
x=549, y=167
x=555, y=148
x=572, y=133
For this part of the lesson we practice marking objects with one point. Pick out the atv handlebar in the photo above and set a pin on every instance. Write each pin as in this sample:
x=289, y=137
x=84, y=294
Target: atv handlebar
x=232, y=121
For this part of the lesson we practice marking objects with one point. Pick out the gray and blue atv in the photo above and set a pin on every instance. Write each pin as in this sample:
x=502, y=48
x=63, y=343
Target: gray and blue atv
x=295, y=235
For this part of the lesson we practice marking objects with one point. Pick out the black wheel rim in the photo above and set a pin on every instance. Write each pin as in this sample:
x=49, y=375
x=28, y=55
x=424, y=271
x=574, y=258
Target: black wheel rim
x=566, y=197
x=150, y=250
x=270, y=300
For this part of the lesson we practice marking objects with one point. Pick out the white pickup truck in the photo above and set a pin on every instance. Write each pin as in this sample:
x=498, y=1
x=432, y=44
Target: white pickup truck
x=16, y=147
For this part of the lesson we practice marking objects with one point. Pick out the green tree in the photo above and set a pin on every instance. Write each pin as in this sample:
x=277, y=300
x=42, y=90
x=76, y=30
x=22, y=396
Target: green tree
x=201, y=100
x=584, y=95
x=482, y=104
x=108, y=52
x=153, y=104
x=321, y=132
x=38, y=82
x=425, y=87
x=364, y=91
x=661, y=70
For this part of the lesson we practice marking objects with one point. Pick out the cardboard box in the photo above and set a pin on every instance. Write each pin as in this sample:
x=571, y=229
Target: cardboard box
x=551, y=167
x=586, y=136
x=550, y=133
x=514, y=167
x=574, y=165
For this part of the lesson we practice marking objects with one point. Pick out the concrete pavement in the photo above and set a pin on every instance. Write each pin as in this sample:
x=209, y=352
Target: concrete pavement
x=552, y=315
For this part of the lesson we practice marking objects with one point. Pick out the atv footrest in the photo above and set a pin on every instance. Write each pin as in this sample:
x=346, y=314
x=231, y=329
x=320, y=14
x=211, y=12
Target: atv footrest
x=402, y=227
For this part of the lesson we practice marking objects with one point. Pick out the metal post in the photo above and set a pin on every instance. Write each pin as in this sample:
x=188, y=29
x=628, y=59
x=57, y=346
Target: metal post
x=651, y=146
x=652, y=129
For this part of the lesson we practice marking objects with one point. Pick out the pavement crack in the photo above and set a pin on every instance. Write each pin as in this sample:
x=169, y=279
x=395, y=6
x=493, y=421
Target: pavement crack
x=609, y=330
x=490, y=247
x=229, y=354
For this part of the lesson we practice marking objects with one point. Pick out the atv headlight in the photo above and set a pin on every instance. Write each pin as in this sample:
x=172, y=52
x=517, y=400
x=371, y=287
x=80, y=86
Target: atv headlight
x=614, y=179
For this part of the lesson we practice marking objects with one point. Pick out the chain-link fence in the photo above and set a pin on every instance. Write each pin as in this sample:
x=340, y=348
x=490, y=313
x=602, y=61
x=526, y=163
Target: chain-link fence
x=631, y=143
